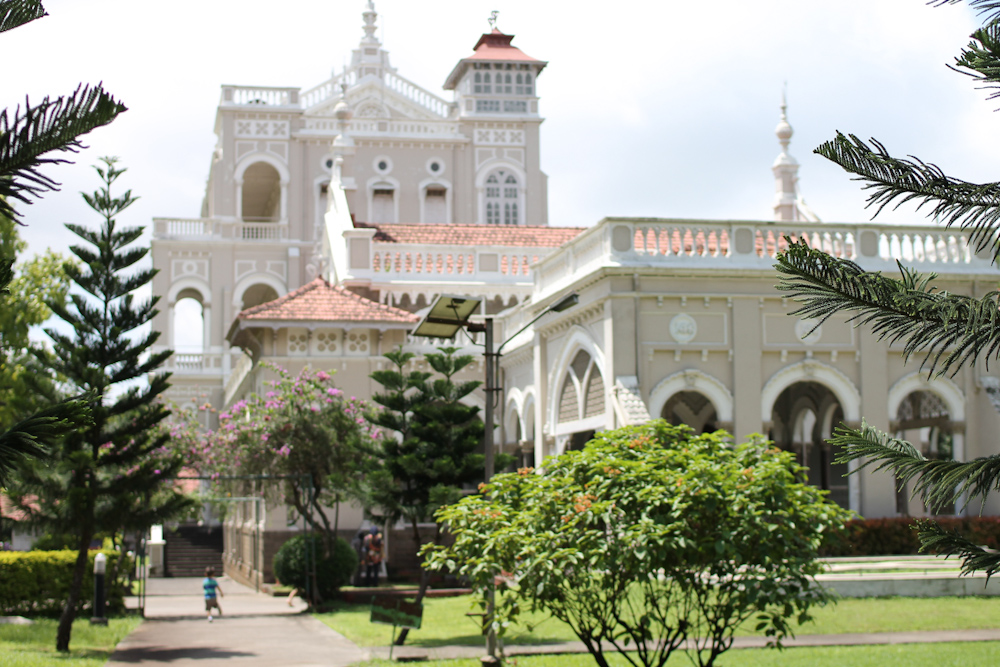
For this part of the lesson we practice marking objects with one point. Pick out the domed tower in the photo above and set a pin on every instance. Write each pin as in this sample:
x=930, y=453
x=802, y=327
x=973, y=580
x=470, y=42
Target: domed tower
x=496, y=100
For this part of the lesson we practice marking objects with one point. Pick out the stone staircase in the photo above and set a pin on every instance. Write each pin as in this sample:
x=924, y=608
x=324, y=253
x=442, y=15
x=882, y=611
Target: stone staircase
x=190, y=549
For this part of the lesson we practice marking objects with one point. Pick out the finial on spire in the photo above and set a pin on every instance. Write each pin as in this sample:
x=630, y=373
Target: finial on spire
x=493, y=19
x=369, y=16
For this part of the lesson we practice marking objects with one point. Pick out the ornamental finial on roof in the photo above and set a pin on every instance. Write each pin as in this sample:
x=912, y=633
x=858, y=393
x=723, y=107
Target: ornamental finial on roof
x=493, y=19
x=369, y=16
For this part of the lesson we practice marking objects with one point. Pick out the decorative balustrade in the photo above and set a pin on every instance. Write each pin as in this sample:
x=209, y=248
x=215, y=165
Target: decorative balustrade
x=193, y=229
x=184, y=363
x=460, y=264
x=371, y=126
x=724, y=244
x=242, y=368
x=259, y=95
x=415, y=93
x=331, y=88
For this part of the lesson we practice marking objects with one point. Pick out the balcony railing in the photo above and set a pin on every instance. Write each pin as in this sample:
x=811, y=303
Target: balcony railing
x=198, y=363
x=259, y=96
x=192, y=229
x=693, y=244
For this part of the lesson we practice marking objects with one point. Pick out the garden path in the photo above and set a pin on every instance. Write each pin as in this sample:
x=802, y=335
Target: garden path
x=255, y=630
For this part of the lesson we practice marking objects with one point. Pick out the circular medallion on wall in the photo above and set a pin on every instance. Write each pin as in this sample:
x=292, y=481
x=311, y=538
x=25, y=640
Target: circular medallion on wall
x=802, y=328
x=683, y=328
x=435, y=166
x=382, y=164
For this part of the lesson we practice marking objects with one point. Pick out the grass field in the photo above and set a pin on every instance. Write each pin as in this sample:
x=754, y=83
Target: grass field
x=958, y=654
x=445, y=622
x=34, y=645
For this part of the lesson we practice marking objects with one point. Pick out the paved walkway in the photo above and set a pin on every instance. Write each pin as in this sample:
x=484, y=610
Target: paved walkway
x=255, y=630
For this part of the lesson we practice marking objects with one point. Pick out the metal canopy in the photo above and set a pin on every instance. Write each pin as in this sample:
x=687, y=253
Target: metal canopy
x=447, y=315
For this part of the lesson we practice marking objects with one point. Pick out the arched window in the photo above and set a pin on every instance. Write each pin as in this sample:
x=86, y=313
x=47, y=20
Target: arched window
x=189, y=324
x=510, y=200
x=527, y=85
x=436, y=204
x=261, y=196
x=383, y=204
x=502, y=196
x=506, y=81
x=493, y=200
x=486, y=83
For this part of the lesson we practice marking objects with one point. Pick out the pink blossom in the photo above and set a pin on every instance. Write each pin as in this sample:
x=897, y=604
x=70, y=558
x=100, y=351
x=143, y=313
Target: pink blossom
x=322, y=376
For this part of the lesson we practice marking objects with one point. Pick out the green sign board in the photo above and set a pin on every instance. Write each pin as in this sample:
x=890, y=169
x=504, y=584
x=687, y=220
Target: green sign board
x=400, y=613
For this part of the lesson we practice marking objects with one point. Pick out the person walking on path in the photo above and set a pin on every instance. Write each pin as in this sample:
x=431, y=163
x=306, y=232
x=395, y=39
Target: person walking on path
x=211, y=587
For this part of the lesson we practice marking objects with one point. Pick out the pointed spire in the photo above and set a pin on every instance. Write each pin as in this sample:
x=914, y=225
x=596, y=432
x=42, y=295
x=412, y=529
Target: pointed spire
x=786, y=171
x=369, y=16
x=788, y=205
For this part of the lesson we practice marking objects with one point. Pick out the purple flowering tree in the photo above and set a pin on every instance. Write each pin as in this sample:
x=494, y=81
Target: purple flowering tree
x=304, y=429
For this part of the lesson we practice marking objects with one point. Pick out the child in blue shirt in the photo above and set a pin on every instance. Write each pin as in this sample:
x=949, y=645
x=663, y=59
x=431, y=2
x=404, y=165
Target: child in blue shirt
x=211, y=587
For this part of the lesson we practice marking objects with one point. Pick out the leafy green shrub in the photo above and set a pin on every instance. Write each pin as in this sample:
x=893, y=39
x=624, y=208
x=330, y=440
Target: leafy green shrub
x=898, y=536
x=36, y=583
x=649, y=538
x=333, y=570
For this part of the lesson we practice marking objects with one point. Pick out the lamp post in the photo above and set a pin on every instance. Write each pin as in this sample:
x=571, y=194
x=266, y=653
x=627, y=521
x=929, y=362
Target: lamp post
x=446, y=316
x=100, y=567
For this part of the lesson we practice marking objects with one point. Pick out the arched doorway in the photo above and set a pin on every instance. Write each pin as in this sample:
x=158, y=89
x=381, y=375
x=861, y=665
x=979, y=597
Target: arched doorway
x=691, y=408
x=923, y=420
x=261, y=194
x=258, y=294
x=581, y=401
x=802, y=420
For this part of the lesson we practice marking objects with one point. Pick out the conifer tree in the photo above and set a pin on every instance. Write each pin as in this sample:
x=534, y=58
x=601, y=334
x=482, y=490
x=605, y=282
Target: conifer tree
x=113, y=470
x=438, y=449
x=949, y=330
x=27, y=142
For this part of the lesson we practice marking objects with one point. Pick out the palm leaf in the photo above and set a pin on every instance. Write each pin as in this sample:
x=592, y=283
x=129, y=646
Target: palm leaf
x=969, y=205
x=938, y=483
x=53, y=125
x=31, y=437
x=988, y=8
x=949, y=329
x=14, y=13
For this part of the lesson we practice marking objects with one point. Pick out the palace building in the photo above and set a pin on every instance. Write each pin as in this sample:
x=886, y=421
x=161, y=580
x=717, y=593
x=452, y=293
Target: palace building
x=334, y=216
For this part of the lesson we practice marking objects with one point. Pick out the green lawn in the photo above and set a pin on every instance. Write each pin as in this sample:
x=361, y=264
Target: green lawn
x=445, y=621
x=90, y=646
x=957, y=654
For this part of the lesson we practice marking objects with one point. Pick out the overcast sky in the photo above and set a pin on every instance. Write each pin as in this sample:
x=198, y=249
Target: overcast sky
x=661, y=108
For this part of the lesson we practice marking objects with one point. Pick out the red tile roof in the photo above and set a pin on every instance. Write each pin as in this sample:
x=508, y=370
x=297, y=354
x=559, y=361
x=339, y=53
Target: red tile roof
x=496, y=45
x=321, y=301
x=473, y=235
x=492, y=47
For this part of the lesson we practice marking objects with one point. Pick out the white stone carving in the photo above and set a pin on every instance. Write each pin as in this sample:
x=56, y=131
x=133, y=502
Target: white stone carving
x=683, y=328
x=259, y=129
x=803, y=328
x=180, y=268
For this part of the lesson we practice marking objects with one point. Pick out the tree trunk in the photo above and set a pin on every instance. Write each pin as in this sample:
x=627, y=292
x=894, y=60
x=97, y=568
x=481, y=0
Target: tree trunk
x=425, y=576
x=69, y=611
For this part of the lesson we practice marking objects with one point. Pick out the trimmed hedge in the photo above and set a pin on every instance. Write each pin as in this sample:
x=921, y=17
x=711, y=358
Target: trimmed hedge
x=36, y=583
x=332, y=571
x=897, y=536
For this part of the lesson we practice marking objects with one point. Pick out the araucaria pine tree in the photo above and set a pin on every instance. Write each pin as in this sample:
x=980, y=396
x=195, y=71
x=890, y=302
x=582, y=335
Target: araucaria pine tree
x=438, y=450
x=948, y=330
x=96, y=472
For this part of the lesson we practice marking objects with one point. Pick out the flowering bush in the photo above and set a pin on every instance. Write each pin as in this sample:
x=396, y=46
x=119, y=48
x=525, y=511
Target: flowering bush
x=648, y=538
x=303, y=430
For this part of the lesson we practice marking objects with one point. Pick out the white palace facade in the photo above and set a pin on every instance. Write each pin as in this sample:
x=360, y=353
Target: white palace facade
x=332, y=216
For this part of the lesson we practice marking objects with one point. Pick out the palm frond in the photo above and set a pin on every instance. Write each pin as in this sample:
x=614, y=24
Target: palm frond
x=938, y=483
x=14, y=13
x=31, y=437
x=949, y=543
x=53, y=125
x=948, y=329
x=990, y=9
x=955, y=202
